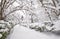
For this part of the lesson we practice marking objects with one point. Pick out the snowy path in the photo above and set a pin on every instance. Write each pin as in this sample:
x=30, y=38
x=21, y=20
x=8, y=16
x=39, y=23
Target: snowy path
x=21, y=32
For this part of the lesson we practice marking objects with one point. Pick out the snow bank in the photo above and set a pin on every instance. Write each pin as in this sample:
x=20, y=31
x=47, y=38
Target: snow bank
x=21, y=32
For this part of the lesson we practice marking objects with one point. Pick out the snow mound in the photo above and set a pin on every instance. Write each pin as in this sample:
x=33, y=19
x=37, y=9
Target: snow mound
x=21, y=32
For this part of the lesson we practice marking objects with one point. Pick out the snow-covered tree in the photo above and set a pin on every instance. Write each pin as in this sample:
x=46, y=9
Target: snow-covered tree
x=31, y=13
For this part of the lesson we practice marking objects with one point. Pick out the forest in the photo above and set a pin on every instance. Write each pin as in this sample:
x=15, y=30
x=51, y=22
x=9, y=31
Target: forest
x=38, y=15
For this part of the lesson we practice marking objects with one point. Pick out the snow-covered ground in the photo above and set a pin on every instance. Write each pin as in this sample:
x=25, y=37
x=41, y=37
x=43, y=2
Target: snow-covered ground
x=20, y=32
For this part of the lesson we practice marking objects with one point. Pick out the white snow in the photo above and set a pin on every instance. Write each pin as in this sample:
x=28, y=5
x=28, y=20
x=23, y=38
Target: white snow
x=0, y=35
x=20, y=32
x=57, y=25
x=31, y=10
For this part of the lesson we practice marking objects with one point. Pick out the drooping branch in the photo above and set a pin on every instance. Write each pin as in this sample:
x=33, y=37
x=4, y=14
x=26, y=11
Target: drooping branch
x=54, y=3
x=10, y=3
x=13, y=10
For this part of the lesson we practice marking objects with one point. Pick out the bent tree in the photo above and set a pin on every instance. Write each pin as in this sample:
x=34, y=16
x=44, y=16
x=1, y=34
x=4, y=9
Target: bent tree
x=7, y=7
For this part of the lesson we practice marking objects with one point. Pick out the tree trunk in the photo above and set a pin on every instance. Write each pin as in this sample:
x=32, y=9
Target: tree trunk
x=1, y=13
x=1, y=9
x=1, y=17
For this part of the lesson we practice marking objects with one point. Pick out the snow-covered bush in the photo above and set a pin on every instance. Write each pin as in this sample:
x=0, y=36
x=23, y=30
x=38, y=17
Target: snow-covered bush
x=42, y=27
x=5, y=28
x=57, y=27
